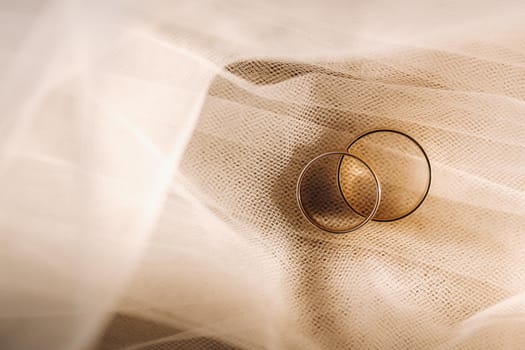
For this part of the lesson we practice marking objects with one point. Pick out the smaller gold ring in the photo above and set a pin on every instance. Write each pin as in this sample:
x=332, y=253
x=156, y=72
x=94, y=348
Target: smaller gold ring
x=316, y=223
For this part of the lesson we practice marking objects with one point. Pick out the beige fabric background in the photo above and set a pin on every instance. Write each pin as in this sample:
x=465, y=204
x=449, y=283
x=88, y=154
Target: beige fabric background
x=149, y=153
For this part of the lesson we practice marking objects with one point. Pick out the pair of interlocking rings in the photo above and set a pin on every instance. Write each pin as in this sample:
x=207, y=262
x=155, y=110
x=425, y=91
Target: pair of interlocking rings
x=371, y=216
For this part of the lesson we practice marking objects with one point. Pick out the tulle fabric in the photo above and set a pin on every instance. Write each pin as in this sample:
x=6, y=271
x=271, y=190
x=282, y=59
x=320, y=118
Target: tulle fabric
x=148, y=159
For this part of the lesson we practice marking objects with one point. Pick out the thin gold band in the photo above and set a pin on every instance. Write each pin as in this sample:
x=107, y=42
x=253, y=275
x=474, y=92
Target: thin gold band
x=425, y=193
x=316, y=223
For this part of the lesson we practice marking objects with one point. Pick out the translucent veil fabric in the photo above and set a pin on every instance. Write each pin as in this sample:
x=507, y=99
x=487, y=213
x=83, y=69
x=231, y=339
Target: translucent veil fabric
x=148, y=158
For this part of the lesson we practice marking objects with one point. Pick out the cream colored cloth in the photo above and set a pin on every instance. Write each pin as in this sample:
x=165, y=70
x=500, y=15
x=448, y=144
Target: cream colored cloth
x=149, y=154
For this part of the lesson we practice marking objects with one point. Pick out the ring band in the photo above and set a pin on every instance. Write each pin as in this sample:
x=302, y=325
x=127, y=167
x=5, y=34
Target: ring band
x=316, y=223
x=422, y=198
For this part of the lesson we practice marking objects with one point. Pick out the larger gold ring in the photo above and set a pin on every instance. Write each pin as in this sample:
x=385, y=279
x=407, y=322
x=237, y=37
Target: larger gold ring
x=423, y=195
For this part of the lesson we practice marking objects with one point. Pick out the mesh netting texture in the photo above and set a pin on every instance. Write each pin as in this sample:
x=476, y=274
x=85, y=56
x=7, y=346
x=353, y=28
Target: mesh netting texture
x=150, y=153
